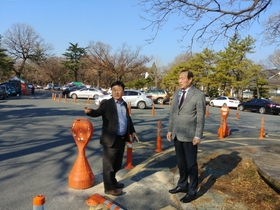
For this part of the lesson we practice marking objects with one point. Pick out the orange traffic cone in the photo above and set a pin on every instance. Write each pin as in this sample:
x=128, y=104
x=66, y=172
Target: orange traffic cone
x=220, y=130
x=129, y=108
x=158, y=149
x=153, y=109
x=207, y=111
x=237, y=114
x=262, y=128
x=81, y=176
x=39, y=202
x=129, y=155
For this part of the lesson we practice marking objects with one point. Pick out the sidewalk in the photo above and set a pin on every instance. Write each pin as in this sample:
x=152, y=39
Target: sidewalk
x=147, y=185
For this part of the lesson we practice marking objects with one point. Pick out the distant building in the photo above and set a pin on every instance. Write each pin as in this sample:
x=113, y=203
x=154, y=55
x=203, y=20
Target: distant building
x=273, y=79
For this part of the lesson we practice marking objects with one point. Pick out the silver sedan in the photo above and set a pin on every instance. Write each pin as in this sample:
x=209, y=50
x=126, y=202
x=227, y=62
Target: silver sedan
x=91, y=93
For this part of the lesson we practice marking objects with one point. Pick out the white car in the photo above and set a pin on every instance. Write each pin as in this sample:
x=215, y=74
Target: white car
x=229, y=101
x=135, y=97
x=48, y=87
x=91, y=93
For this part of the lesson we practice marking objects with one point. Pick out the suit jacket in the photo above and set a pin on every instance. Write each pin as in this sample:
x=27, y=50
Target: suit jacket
x=188, y=121
x=108, y=111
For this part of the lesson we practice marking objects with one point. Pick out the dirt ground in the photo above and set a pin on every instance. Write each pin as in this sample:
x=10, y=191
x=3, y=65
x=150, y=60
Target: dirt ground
x=234, y=177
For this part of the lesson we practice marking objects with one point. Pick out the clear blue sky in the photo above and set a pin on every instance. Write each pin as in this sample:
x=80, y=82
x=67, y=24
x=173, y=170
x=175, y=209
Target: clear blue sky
x=112, y=22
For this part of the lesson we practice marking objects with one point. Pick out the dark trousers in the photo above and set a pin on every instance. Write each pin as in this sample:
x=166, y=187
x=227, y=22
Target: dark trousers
x=186, y=154
x=112, y=162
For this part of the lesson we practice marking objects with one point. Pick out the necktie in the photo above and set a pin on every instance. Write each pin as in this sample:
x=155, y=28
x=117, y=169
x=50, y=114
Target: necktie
x=182, y=99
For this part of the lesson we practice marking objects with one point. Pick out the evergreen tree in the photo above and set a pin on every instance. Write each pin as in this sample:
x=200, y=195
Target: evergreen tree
x=73, y=57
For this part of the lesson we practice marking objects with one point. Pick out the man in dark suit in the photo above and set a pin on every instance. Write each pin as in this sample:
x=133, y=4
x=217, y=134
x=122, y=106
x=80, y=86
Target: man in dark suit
x=186, y=124
x=117, y=126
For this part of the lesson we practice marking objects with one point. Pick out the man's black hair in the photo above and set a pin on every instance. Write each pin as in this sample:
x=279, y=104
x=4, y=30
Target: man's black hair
x=190, y=74
x=119, y=83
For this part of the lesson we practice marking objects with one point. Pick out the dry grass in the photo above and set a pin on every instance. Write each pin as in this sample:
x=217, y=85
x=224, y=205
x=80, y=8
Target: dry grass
x=236, y=175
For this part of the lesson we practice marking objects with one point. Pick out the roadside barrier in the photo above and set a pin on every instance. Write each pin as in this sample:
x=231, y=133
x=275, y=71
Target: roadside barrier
x=88, y=101
x=153, y=109
x=75, y=99
x=39, y=202
x=81, y=176
x=170, y=101
x=158, y=148
x=96, y=199
x=129, y=154
x=59, y=97
x=65, y=98
x=207, y=111
x=262, y=128
x=237, y=114
x=162, y=103
x=52, y=96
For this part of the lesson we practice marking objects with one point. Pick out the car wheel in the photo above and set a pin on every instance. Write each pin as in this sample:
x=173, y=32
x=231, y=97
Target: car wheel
x=262, y=110
x=212, y=104
x=159, y=101
x=74, y=96
x=241, y=108
x=95, y=97
x=141, y=105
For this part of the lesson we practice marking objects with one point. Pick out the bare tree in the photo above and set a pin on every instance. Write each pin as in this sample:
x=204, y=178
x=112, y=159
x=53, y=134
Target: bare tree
x=122, y=62
x=207, y=20
x=274, y=59
x=23, y=44
x=100, y=58
x=272, y=29
x=52, y=70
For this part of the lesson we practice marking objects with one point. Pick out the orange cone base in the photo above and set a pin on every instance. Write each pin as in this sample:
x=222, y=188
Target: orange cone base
x=81, y=176
x=129, y=166
x=223, y=134
x=158, y=150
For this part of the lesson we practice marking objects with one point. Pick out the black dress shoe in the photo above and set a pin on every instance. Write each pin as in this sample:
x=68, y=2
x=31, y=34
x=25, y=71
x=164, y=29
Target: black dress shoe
x=188, y=198
x=177, y=190
x=119, y=185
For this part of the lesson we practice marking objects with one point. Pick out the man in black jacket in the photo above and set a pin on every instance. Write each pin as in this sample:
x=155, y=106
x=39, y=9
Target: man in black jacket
x=117, y=126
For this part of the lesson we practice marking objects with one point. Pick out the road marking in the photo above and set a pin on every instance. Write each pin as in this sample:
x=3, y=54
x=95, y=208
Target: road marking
x=245, y=126
x=232, y=142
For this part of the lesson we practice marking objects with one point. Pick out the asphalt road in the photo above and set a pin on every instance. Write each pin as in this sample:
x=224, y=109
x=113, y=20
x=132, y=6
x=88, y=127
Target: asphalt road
x=37, y=150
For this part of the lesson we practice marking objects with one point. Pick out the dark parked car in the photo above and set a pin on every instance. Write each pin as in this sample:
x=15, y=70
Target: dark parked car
x=31, y=88
x=11, y=90
x=260, y=105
